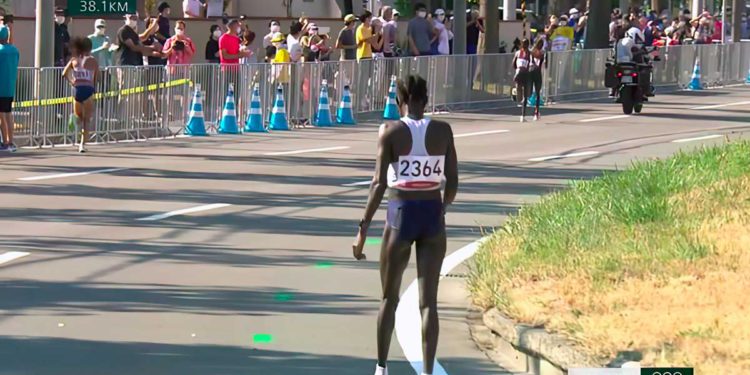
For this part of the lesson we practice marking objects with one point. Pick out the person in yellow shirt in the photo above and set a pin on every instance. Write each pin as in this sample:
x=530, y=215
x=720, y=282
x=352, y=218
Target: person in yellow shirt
x=282, y=57
x=364, y=37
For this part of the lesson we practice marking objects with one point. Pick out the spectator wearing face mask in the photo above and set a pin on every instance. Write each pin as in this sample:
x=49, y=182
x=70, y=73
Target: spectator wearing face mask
x=273, y=27
x=229, y=45
x=292, y=41
x=212, y=46
x=421, y=32
x=102, y=49
x=444, y=35
x=62, y=39
x=131, y=43
x=180, y=48
x=312, y=44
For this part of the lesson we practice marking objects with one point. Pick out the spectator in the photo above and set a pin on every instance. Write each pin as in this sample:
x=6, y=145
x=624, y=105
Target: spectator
x=9, y=57
x=390, y=32
x=153, y=42
x=212, y=46
x=292, y=41
x=62, y=39
x=273, y=27
x=7, y=21
x=130, y=42
x=444, y=35
x=281, y=56
x=421, y=33
x=229, y=45
x=573, y=15
x=248, y=37
x=162, y=20
x=614, y=24
x=377, y=33
x=313, y=44
x=364, y=37
x=101, y=44
x=325, y=49
x=473, y=28
x=192, y=8
x=346, y=41
x=180, y=48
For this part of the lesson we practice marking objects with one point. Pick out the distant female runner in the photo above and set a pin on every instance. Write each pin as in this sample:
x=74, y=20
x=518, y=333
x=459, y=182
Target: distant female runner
x=84, y=69
x=414, y=156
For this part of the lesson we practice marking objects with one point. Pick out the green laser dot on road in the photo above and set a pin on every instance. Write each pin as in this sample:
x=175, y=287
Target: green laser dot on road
x=373, y=241
x=322, y=265
x=262, y=338
x=283, y=297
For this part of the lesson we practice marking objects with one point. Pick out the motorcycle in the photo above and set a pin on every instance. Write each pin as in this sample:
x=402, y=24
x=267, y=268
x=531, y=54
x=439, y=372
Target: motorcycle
x=631, y=82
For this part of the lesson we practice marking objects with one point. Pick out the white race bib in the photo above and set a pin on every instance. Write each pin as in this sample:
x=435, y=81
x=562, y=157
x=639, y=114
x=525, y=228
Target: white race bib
x=416, y=172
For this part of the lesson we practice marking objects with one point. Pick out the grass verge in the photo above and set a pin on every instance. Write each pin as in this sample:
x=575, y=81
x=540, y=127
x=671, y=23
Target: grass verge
x=655, y=258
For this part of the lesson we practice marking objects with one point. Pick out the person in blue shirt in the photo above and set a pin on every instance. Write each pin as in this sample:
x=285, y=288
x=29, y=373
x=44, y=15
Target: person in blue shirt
x=9, y=71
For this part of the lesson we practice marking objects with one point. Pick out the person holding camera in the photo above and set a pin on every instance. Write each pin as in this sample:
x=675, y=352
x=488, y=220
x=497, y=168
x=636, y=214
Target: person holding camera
x=179, y=49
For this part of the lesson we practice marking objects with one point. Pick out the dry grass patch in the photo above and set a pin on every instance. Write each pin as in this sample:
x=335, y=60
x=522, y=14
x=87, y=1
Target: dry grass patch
x=654, y=259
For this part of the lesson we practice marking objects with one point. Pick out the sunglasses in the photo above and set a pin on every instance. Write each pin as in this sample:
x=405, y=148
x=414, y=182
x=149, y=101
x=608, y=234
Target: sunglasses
x=101, y=27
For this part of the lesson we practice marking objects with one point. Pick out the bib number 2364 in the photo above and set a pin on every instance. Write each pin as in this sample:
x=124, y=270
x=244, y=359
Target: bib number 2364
x=421, y=166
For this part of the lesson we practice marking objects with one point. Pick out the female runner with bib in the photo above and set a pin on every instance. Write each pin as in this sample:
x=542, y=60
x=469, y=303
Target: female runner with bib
x=414, y=156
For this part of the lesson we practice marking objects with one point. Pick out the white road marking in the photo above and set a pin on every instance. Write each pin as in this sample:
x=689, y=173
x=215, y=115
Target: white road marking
x=604, y=118
x=11, y=256
x=696, y=138
x=185, y=211
x=297, y=152
x=66, y=175
x=409, y=320
x=573, y=155
x=480, y=133
x=361, y=183
x=719, y=105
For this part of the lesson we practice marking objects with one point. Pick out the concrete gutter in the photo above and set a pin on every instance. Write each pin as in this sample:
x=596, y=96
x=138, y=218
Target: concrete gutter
x=526, y=348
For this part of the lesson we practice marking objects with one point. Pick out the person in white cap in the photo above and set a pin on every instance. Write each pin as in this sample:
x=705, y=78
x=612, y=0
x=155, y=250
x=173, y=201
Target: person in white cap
x=574, y=15
x=101, y=44
x=444, y=35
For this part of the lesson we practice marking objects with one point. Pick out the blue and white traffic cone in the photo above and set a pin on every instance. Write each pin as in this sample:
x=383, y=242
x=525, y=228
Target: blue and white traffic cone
x=391, y=108
x=196, y=125
x=323, y=117
x=747, y=80
x=228, y=124
x=344, y=115
x=254, y=123
x=695, y=81
x=278, y=113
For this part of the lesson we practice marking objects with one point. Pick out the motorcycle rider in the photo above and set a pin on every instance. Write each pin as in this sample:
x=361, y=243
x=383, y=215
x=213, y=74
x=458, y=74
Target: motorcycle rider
x=630, y=49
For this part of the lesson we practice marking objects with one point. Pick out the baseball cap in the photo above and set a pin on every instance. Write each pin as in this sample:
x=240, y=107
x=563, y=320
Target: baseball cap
x=350, y=18
x=100, y=23
x=277, y=38
x=439, y=12
x=396, y=13
x=573, y=11
x=4, y=32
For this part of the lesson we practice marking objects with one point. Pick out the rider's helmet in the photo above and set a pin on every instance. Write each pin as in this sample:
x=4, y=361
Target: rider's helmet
x=636, y=34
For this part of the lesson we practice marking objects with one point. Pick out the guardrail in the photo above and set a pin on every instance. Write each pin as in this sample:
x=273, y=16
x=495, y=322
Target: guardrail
x=146, y=102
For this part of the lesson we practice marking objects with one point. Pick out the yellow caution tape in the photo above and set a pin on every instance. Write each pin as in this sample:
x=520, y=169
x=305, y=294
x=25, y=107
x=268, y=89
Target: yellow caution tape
x=101, y=95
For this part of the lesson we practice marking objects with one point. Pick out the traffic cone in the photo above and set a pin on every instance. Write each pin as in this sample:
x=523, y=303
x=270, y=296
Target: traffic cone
x=344, y=114
x=532, y=100
x=695, y=81
x=323, y=117
x=747, y=80
x=228, y=124
x=254, y=123
x=196, y=125
x=391, y=108
x=278, y=113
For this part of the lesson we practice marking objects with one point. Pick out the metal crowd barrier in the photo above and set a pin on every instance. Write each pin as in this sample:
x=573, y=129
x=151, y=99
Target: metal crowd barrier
x=154, y=101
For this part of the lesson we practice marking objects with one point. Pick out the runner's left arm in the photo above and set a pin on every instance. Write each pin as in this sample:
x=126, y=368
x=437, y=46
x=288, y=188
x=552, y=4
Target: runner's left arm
x=451, y=171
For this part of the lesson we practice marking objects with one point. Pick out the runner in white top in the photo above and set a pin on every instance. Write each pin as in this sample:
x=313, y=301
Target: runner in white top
x=415, y=155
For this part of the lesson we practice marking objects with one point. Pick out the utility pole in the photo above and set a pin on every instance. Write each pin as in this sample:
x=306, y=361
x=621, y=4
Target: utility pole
x=459, y=27
x=697, y=8
x=492, y=26
x=597, y=35
x=45, y=34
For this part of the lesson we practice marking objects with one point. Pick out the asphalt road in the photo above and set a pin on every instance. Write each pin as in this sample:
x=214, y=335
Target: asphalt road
x=231, y=254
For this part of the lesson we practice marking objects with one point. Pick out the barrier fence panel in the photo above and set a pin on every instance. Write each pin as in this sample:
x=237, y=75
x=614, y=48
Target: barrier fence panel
x=154, y=101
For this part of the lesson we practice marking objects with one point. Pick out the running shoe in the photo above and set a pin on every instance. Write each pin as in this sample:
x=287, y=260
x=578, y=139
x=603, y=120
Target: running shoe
x=536, y=117
x=11, y=148
x=523, y=119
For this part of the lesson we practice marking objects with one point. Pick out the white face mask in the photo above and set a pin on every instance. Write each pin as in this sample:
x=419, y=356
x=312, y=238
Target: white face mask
x=421, y=14
x=441, y=17
x=179, y=32
x=101, y=31
x=132, y=23
x=60, y=20
x=275, y=28
x=217, y=34
x=238, y=30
